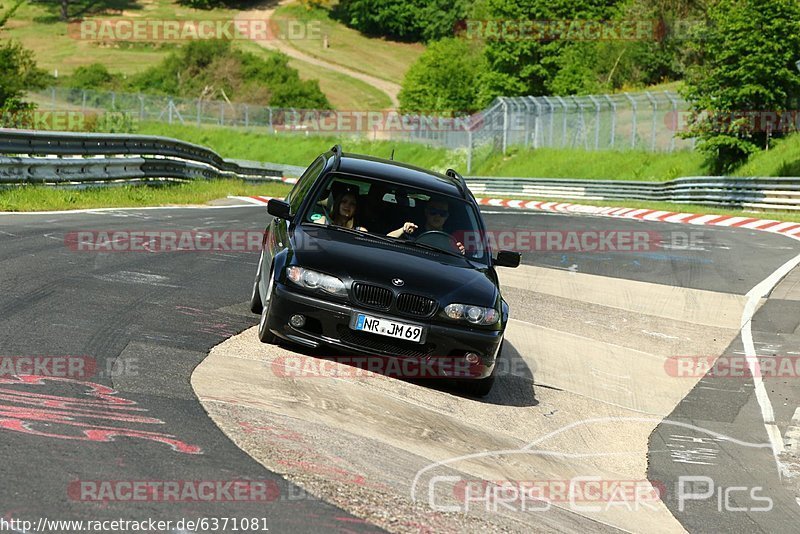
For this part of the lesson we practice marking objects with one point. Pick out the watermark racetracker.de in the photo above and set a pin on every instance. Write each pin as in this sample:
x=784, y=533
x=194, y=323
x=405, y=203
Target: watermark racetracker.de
x=148, y=30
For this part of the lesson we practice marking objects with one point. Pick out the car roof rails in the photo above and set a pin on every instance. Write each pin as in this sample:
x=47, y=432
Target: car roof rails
x=337, y=156
x=462, y=184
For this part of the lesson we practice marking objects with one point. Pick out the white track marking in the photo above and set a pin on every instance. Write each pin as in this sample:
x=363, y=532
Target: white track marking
x=767, y=412
x=104, y=210
x=792, y=437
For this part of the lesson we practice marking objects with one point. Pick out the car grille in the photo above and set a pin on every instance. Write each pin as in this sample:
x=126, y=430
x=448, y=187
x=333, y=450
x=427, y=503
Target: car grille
x=384, y=344
x=373, y=296
x=416, y=305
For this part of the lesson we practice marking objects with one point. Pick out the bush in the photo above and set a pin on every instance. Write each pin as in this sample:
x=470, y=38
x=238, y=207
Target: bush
x=216, y=70
x=94, y=76
x=444, y=78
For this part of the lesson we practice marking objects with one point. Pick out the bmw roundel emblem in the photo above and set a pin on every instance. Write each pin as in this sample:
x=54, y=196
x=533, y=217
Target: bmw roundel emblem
x=397, y=281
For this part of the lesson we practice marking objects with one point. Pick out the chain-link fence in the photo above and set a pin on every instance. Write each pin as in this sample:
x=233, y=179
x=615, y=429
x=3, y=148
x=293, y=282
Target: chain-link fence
x=650, y=121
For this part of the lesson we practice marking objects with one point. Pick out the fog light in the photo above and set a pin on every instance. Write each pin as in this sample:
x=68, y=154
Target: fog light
x=297, y=321
x=472, y=358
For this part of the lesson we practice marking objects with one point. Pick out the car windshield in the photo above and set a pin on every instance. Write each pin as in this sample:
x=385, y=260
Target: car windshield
x=412, y=216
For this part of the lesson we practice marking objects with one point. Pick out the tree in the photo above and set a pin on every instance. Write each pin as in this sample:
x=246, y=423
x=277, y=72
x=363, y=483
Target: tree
x=526, y=66
x=404, y=20
x=18, y=72
x=746, y=79
x=444, y=78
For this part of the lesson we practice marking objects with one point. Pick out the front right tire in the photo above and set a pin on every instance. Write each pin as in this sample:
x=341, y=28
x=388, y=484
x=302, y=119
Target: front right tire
x=482, y=386
x=478, y=388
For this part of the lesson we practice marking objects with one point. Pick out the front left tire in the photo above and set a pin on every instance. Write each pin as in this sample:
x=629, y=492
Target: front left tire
x=256, y=305
x=264, y=333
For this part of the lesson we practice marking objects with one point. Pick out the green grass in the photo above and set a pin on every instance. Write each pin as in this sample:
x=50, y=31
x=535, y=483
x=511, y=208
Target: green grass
x=347, y=47
x=58, y=46
x=343, y=92
x=782, y=159
x=606, y=164
x=545, y=163
x=297, y=149
x=36, y=198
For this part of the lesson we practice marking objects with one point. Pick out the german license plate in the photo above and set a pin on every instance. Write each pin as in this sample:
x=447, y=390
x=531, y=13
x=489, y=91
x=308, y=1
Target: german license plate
x=385, y=327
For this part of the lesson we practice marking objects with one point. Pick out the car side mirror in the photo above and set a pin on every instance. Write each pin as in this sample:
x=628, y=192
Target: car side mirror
x=278, y=208
x=506, y=258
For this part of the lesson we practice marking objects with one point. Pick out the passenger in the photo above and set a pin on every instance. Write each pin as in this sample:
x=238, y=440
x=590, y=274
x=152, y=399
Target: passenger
x=343, y=212
x=436, y=214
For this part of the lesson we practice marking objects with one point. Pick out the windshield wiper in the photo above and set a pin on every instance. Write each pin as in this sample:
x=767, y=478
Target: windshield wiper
x=437, y=249
x=395, y=240
x=360, y=233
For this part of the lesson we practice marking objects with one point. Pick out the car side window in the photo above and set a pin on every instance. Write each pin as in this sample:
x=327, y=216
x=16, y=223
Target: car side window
x=303, y=185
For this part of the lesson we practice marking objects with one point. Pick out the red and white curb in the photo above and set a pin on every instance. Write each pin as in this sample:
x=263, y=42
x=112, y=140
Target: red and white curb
x=752, y=223
x=252, y=200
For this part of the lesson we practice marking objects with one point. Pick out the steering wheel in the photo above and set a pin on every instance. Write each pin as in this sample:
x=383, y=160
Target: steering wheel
x=438, y=239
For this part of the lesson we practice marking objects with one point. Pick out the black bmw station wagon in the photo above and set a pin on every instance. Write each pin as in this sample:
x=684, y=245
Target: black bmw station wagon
x=373, y=257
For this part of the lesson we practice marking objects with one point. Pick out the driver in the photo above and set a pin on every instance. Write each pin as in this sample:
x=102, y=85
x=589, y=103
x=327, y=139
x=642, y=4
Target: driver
x=436, y=213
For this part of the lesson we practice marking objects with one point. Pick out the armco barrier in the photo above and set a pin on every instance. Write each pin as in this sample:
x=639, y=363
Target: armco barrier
x=758, y=193
x=69, y=158
x=61, y=157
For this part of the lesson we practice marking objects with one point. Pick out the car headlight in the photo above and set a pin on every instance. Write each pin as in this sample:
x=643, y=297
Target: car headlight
x=472, y=314
x=316, y=281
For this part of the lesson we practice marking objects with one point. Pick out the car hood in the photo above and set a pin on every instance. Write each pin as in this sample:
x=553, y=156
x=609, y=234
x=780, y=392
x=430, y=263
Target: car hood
x=354, y=257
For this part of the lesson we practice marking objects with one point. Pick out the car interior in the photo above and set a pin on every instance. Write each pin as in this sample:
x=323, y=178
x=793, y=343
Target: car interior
x=384, y=207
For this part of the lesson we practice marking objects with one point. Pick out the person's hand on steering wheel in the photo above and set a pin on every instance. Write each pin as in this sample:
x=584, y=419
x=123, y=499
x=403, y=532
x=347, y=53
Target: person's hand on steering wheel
x=409, y=227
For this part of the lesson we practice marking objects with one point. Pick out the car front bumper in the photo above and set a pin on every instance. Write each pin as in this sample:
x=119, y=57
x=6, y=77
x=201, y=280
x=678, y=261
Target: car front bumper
x=328, y=324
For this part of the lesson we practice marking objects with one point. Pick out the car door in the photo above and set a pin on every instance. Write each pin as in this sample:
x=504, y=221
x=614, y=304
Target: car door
x=277, y=235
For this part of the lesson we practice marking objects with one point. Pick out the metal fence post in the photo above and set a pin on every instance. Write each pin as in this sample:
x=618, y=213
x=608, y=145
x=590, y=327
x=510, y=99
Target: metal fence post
x=653, y=103
x=505, y=123
x=536, y=121
x=674, y=118
x=564, y=121
x=613, y=120
x=527, y=122
x=83, y=101
x=581, y=131
x=169, y=112
x=469, y=148
x=596, y=122
x=551, y=111
x=633, y=120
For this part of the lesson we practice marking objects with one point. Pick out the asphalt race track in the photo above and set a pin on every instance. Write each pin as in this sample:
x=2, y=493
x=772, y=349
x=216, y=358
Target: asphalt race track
x=145, y=320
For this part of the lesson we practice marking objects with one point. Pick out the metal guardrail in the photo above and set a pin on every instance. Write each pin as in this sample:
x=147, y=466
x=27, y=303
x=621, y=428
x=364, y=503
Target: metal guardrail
x=758, y=193
x=77, y=158
x=61, y=157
